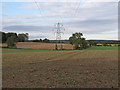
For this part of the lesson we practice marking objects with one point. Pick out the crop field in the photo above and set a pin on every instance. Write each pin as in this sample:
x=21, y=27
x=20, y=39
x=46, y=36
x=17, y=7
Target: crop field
x=38, y=45
x=95, y=67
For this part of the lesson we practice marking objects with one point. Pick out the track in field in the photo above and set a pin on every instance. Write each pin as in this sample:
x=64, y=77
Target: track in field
x=61, y=56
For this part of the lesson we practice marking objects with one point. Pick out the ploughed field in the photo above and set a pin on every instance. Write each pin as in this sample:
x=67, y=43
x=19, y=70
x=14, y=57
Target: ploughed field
x=60, y=69
x=38, y=45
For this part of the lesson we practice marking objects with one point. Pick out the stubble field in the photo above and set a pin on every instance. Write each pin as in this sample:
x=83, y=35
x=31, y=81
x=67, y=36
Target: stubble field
x=92, y=68
x=38, y=45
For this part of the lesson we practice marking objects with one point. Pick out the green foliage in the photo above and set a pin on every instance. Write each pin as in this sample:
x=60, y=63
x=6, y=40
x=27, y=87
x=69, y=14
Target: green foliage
x=41, y=40
x=23, y=37
x=56, y=47
x=12, y=41
x=103, y=48
x=5, y=36
x=36, y=40
x=2, y=37
x=10, y=34
x=71, y=39
x=78, y=42
x=84, y=43
x=104, y=43
x=92, y=43
x=46, y=40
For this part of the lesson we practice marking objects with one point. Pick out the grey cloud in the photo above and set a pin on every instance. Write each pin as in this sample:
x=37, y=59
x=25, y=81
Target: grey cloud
x=94, y=18
x=95, y=26
x=27, y=28
x=92, y=22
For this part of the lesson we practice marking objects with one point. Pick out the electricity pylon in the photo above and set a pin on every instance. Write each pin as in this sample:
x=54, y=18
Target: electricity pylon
x=58, y=31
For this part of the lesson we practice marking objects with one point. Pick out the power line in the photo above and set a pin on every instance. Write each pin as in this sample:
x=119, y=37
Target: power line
x=60, y=15
x=76, y=10
x=79, y=4
x=38, y=6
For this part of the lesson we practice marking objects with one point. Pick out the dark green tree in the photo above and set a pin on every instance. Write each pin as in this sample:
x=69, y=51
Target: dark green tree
x=104, y=43
x=11, y=34
x=0, y=37
x=36, y=40
x=23, y=37
x=84, y=43
x=46, y=40
x=12, y=41
x=78, y=42
x=90, y=43
x=3, y=36
x=41, y=40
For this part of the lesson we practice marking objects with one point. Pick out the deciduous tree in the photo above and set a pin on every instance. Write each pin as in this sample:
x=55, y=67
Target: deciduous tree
x=78, y=41
x=12, y=41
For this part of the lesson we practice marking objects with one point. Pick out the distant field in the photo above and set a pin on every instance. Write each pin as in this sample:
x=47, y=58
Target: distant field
x=95, y=67
x=6, y=50
x=28, y=46
x=38, y=45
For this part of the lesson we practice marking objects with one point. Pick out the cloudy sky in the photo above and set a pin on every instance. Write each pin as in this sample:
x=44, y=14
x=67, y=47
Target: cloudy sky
x=96, y=20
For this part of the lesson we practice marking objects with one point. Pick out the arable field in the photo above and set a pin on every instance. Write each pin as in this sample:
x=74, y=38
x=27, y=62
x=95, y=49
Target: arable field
x=38, y=45
x=90, y=68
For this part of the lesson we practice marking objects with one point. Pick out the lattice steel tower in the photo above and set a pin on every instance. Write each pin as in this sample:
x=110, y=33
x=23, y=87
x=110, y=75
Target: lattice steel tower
x=58, y=31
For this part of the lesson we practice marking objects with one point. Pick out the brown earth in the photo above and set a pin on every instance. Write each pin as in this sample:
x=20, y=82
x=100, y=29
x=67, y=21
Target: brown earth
x=38, y=45
x=61, y=69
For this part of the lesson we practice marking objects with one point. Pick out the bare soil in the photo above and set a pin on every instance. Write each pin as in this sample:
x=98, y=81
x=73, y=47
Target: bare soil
x=61, y=69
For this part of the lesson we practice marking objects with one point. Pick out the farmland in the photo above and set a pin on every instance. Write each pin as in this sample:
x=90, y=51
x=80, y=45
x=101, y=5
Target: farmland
x=38, y=45
x=34, y=68
x=60, y=44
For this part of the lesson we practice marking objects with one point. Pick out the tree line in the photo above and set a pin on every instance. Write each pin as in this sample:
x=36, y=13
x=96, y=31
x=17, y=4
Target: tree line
x=12, y=38
x=104, y=42
x=42, y=41
x=19, y=37
x=81, y=43
x=77, y=40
